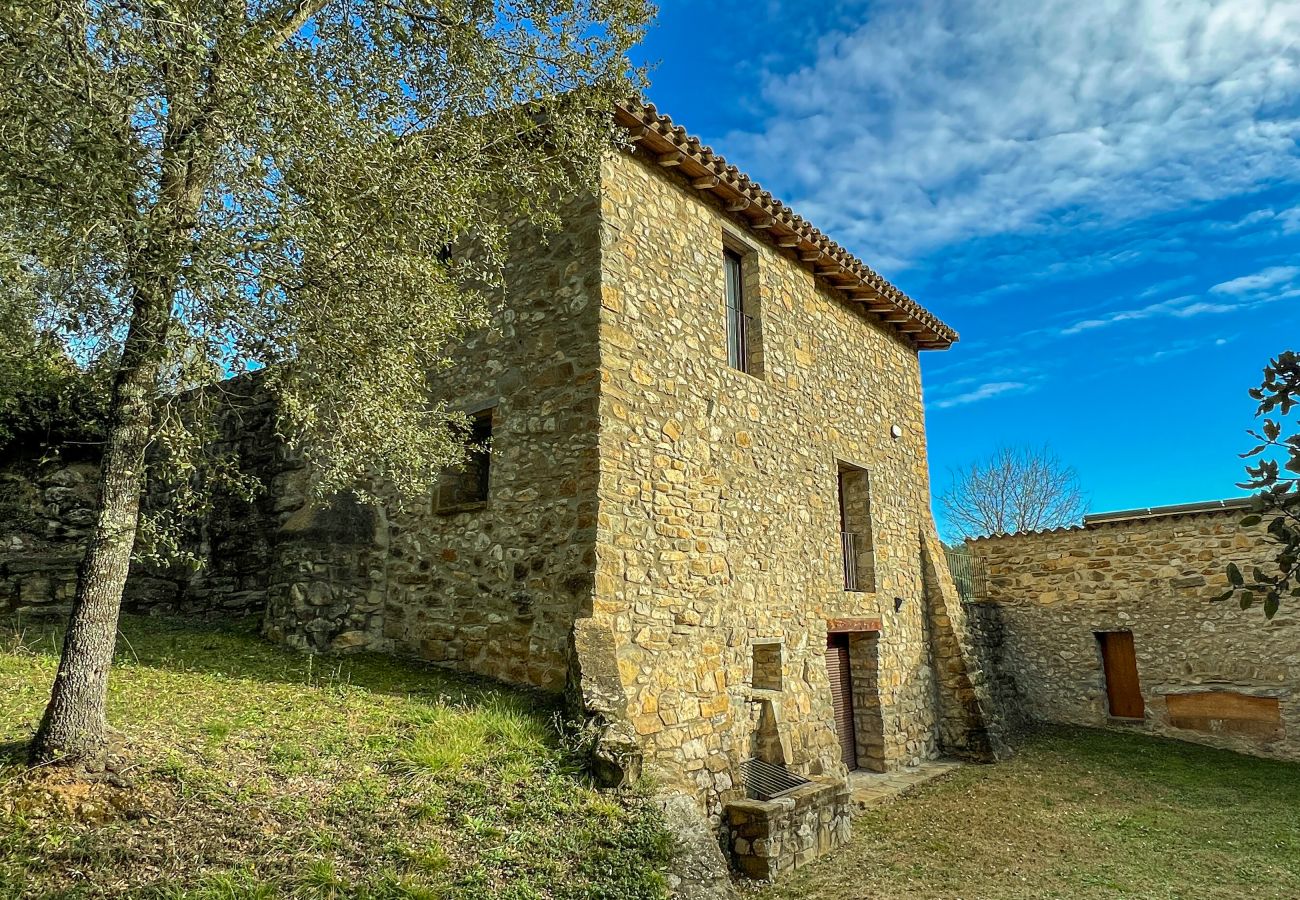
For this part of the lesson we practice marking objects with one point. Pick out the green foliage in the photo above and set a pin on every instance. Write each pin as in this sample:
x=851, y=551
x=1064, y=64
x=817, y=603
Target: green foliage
x=1275, y=475
x=272, y=774
x=46, y=399
x=280, y=180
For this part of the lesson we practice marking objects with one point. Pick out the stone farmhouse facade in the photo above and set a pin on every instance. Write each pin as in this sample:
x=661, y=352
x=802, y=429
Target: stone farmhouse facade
x=705, y=513
x=1113, y=625
x=660, y=526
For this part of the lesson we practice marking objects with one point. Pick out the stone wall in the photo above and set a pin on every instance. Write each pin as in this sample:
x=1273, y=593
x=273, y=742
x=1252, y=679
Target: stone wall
x=47, y=508
x=1204, y=668
x=494, y=587
x=771, y=837
x=719, y=522
x=281, y=544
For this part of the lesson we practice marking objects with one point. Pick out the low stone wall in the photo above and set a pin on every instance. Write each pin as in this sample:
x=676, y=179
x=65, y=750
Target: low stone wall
x=1207, y=672
x=770, y=837
x=47, y=508
x=280, y=543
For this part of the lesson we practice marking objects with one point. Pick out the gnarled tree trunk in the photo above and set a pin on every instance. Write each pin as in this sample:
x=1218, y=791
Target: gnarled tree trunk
x=73, y=729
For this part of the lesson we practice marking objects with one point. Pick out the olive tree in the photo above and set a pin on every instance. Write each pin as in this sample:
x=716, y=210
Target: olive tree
x=1275, y=475
x=1014, y=489
x=195, y=188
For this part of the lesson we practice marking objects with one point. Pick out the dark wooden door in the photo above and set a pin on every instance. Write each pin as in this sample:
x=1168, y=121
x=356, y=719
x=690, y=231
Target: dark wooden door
x=1120, y=664
x=841, y=678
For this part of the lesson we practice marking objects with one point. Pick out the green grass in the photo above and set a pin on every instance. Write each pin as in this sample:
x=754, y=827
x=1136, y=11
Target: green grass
x=256, y=772
x=1080, y=814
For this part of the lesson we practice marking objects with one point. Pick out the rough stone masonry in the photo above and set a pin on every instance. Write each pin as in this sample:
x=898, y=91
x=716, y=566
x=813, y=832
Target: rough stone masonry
x=710, y=524
x=1200, y=670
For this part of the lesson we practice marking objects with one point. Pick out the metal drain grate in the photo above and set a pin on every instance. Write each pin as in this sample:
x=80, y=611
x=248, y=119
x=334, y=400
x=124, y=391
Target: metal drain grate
x=766, y=781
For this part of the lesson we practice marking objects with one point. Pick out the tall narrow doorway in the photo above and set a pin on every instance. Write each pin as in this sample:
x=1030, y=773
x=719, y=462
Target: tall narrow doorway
x=1119, y=662
x=841, y=678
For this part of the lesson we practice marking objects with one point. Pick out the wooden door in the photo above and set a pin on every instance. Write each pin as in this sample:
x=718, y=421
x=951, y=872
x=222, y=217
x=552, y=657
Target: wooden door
x=1120, y=664
x=841, y=678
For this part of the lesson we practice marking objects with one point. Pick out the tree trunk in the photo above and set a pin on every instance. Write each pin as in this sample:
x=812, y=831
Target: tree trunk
x=73, y=728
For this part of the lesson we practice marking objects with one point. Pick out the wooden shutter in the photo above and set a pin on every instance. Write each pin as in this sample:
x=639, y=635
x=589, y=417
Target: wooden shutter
x=1119, y=660
x=841, y=678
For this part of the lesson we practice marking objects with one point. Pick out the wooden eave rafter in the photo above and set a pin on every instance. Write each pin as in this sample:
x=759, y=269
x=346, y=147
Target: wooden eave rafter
x=669, y=146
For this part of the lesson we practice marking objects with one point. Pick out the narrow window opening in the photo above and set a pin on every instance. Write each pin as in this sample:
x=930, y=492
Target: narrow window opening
x=857, y=548
x=744, y=331
x=737, y=345
x=469, y=483
x=767, y=666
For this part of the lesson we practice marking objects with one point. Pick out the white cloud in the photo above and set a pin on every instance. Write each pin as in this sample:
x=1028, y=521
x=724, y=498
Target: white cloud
x=984, y=392
x=1247, y=292
x=1260, y=281
x=937, y=121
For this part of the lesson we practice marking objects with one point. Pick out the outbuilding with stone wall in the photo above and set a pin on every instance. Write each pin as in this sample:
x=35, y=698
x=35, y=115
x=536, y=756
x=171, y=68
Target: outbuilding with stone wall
x=1115, y=625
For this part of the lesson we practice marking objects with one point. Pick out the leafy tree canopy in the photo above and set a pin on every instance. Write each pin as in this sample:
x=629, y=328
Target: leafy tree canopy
x=287, y=175
x=1275, y=475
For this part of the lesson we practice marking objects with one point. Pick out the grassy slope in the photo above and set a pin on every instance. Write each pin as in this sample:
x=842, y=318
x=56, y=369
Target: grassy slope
x=258, y=772
x=1079, y=814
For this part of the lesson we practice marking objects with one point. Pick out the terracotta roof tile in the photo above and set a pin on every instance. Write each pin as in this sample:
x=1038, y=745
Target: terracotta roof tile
x=659, y=137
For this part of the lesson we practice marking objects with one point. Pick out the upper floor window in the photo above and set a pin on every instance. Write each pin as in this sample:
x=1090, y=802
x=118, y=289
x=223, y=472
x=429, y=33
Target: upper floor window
x=737, y=348
x=744, y=345
x=468, y=483
x=856, y=542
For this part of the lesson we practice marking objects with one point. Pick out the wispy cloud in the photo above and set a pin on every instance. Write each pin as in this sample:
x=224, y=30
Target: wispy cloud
x=1245, y=292
x=984, y=392
x=1259, y=281
x=974, y=119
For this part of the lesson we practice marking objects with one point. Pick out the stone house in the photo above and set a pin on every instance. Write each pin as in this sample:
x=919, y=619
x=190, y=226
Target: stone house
x=705, y=512
x=1113, y=624
x=706, y=506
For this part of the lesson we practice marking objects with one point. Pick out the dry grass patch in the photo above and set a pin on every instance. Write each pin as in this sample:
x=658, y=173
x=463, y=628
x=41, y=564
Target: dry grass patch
x=1078, y=814
x=258, y=772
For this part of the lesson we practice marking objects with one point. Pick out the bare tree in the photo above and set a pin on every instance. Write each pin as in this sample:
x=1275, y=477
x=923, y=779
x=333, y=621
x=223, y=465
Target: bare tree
x=1015, y=489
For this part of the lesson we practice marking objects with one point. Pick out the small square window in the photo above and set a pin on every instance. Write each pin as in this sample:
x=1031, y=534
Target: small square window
x=468, y=483
x=767, y=666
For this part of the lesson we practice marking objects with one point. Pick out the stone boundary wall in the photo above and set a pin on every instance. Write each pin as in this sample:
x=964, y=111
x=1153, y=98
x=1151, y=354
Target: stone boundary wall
x=47, y=508
x=1208, y=672
x=282, y=543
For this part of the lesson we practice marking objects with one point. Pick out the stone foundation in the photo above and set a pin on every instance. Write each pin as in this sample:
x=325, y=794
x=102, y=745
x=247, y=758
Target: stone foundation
x=771, y=837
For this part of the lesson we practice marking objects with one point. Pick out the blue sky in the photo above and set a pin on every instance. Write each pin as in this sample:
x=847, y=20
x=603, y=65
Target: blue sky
x=1103, y=198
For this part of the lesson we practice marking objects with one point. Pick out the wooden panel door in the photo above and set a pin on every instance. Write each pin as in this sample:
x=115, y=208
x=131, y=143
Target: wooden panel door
x=1120, y=664
x=841, y=678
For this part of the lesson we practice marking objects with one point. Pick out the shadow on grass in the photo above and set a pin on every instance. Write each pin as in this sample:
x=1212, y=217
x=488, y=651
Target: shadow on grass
x=13, y=753
x=237, y=650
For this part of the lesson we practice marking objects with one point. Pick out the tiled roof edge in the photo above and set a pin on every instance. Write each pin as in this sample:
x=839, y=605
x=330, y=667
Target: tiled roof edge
x=669, y=145
x=1124, y=516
